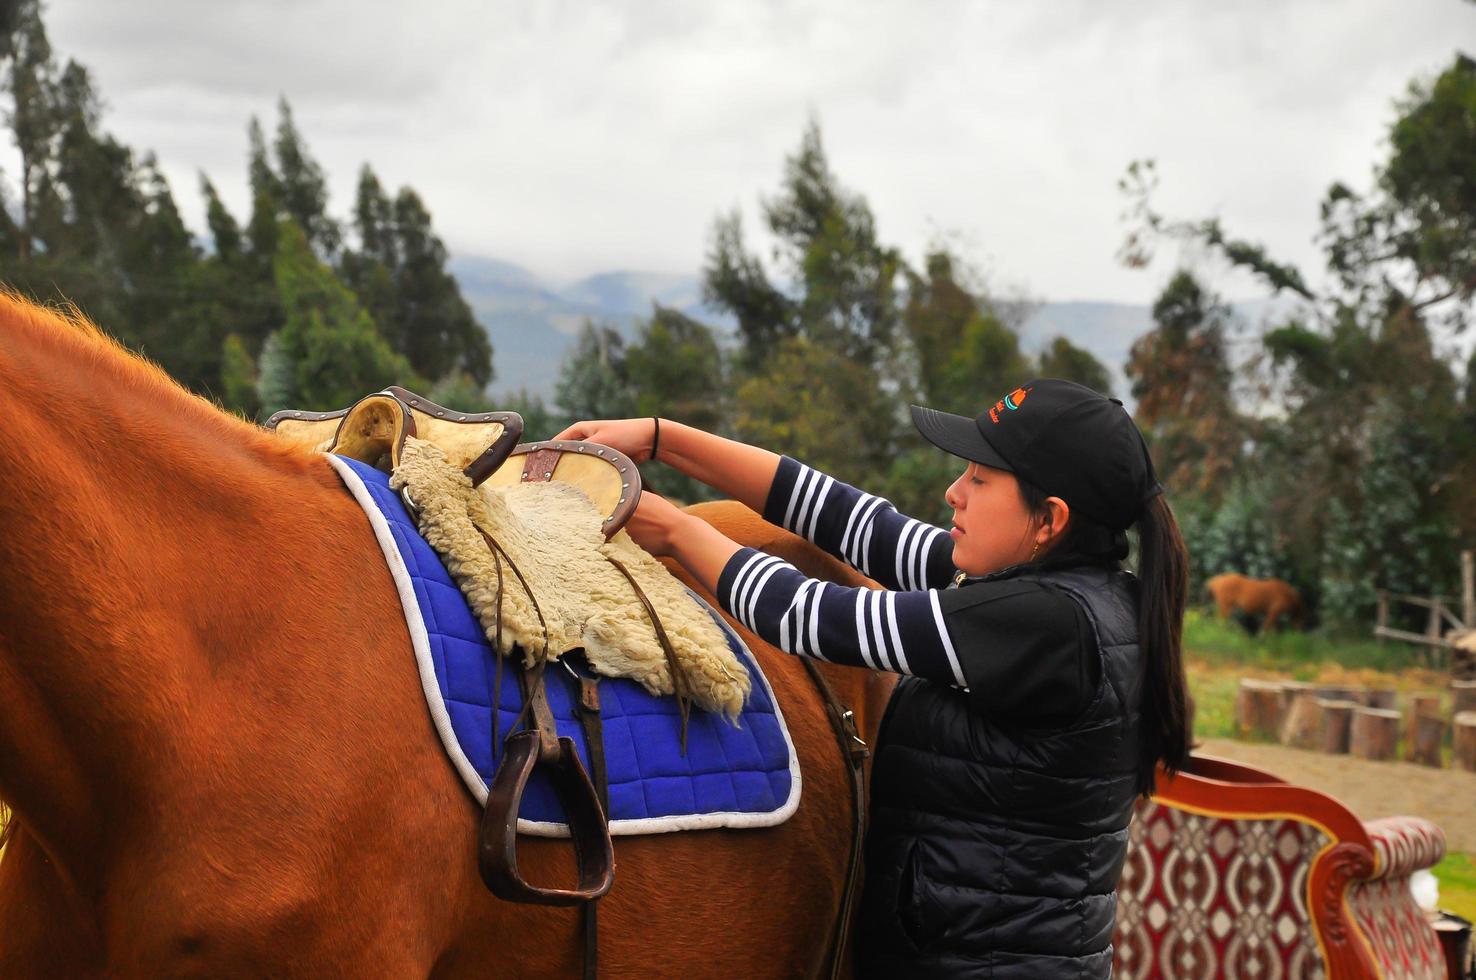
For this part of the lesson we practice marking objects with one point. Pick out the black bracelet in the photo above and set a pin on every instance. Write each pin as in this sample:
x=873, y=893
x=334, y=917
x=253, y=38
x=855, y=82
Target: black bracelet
x=655, y=436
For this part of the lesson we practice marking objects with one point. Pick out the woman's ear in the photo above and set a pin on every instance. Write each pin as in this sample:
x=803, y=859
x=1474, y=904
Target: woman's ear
x=1058, y=515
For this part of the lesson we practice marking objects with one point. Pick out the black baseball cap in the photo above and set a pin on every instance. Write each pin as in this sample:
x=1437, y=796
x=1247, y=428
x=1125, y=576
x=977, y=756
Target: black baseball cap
x=1066, y=439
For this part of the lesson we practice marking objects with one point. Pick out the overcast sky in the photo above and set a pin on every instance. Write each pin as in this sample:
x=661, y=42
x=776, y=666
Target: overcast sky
x=574, y=138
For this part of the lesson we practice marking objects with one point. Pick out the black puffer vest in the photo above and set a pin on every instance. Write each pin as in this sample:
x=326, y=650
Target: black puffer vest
x=995, y=849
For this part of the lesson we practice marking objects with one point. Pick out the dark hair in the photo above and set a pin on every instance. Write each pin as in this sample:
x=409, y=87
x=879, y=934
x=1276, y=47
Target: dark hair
x=1166, y=710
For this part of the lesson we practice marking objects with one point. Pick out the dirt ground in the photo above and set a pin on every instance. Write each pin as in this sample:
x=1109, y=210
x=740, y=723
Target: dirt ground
x=1370, y=789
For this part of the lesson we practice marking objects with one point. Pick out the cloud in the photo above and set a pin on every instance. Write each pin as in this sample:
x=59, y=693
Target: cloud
x=577, y=137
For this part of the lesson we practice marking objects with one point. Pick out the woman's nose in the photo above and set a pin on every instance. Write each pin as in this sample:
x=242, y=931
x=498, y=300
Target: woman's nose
x=950, y=496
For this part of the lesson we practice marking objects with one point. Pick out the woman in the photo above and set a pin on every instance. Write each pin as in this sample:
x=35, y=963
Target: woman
x=1043, y=683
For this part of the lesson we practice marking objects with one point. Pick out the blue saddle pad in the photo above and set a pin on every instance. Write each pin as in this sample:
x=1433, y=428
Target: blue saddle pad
x=731, y=776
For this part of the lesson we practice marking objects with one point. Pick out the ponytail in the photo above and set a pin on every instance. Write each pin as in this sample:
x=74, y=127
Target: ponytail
x=1167, y=710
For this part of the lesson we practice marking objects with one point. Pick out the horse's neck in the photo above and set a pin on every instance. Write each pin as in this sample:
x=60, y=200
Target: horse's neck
x=136, y=556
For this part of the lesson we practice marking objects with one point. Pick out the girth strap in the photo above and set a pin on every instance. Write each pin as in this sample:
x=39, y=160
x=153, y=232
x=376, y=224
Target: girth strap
x=855, y=753
x=594, y=738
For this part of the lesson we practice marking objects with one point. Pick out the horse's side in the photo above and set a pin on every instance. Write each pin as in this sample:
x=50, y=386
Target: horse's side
x=216, y=746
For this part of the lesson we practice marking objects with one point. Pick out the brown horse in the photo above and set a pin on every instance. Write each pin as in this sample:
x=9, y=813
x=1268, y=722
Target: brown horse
x=216, y=747
x=1269, y=597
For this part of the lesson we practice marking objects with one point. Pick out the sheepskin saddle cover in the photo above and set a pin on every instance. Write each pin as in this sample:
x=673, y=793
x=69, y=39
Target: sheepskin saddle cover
x=739, y=775
x=567, y=595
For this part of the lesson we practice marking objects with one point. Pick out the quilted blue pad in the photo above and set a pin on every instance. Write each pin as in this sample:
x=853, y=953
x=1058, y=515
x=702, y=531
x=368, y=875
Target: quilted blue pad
x=744, y=776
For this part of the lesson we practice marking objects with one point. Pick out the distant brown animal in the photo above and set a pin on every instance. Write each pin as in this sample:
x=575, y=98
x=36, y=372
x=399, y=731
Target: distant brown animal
x=1268, y=597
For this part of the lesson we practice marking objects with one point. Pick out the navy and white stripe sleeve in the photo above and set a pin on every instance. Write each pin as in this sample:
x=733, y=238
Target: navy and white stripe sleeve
x=863, y=530
x=902, y=632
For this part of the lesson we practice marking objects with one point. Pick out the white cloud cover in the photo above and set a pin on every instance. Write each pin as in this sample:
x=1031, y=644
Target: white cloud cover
x=581, y=137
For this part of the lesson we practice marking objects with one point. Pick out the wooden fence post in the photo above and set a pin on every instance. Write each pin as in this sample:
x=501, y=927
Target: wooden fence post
x=1468, y=590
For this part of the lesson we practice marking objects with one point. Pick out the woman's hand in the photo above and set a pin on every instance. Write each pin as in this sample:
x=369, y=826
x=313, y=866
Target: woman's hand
x=653, y=522
x=667, y=532
x=632, y=437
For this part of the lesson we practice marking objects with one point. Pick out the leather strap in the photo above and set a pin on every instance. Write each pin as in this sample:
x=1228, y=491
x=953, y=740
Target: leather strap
x=855, y=752
x=538, y=466
x=540, y=744
x=594, y=740
x=678, y=680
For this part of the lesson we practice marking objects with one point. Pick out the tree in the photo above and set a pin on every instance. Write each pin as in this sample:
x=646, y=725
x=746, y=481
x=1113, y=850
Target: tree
x=1063, y=359
x=1366, y=404
x=301, y=190
x=814, y=401
x=966, y=354
x=675, y=370
x=225, y=234
x=593, y=383
x=845, y=279
x=399, y=273
x=839, y=306
x=328, y=353
x=1183, y=383
x=30, y=80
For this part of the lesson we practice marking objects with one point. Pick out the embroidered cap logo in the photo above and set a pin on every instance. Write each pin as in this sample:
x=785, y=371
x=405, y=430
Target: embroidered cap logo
x=1010, y=402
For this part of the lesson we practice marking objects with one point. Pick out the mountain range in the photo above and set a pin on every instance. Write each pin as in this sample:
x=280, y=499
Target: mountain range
x=532, y=322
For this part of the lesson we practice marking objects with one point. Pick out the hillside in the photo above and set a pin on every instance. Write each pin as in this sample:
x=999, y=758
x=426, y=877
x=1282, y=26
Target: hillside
x=532, y=322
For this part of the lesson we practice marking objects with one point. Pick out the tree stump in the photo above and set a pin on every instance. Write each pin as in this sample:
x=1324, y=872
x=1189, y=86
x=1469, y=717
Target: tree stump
x=1258, y=709
x=1358, y=695
x=1429, y=736
x=1420, y=704
x=1336, y=717
x=1463, y=696
x=1464, y=741
x=1381, y=697
x=1302, y=727
x=1290, y=691
x=1374, y=733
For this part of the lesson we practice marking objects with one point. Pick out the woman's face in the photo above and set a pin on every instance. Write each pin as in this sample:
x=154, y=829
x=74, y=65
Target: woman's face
x=991, y=527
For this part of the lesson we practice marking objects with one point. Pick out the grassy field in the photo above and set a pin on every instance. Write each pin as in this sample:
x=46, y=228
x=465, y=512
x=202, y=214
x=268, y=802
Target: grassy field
x=1218, y=656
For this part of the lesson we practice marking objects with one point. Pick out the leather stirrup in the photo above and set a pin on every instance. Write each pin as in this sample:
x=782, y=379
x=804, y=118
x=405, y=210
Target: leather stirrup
x=497, y=851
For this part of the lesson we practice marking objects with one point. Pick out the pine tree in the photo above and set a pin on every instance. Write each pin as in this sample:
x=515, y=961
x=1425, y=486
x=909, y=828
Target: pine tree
x=328, y=353
x=301, y=188
x=1182, y=380
x=593, y=383
x=399, y=274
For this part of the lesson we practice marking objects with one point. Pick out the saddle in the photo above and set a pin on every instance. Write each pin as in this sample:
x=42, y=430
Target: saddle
x=483, y=445
x=373, y=430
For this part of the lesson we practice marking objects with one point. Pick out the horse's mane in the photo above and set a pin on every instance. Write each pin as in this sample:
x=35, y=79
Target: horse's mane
x=63, y=327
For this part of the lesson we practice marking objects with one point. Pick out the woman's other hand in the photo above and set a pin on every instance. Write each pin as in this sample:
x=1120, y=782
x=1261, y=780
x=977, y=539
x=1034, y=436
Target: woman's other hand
x=632, y=437
x=652, y=523
x=663, y=530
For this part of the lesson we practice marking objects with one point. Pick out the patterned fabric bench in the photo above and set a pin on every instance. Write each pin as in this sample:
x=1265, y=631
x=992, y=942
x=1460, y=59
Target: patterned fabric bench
x=1232, y=872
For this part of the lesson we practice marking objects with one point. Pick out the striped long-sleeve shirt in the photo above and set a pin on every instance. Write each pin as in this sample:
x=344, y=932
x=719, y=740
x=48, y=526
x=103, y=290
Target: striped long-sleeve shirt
x=1012, y=643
